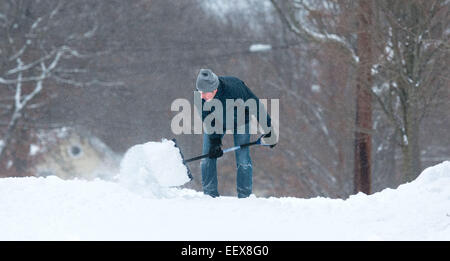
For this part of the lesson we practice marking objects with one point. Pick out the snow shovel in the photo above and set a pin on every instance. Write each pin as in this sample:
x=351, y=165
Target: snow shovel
x=257, y=142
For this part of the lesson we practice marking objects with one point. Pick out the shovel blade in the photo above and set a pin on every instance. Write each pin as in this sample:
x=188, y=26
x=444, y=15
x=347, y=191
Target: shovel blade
x=182, y=157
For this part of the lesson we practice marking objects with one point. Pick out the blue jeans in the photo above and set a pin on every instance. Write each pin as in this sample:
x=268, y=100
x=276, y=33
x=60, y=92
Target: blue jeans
x=243, y=164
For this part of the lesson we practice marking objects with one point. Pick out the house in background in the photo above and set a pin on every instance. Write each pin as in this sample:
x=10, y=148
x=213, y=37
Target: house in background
x=73, y=153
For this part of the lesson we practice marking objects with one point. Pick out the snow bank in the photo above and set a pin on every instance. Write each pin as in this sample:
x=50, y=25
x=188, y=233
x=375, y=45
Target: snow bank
x=53, y=209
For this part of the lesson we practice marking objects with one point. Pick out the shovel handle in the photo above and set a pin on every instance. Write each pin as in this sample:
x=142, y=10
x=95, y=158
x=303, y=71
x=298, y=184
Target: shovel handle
x=196, y=158
x=257, y=142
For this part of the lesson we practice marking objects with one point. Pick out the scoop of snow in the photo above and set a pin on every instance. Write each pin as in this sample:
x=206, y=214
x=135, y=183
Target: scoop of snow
x=153, y=164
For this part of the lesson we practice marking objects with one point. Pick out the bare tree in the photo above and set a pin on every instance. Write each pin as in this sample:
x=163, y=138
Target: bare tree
x=400, y=46
x=334, y=23
x=40, y=51
x=412, y=45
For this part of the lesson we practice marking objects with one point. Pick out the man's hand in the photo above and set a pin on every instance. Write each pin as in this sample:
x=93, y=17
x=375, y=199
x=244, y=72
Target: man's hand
x=269, y=136
x=215, y=150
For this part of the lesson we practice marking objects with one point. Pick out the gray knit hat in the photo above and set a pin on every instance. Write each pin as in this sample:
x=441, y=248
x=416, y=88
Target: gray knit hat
x=207, y=81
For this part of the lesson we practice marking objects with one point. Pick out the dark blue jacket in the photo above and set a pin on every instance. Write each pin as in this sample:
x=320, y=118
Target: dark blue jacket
x=233, y=88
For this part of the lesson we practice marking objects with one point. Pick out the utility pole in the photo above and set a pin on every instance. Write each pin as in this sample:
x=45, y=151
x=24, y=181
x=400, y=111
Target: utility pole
x=363, y=128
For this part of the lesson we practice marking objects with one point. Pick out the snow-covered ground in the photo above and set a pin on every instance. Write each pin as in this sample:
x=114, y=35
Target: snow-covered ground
x=54, y=209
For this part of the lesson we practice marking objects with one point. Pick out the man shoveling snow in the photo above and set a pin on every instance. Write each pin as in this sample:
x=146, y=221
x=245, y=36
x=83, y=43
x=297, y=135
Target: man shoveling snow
x=155, y=166
x=221, y=89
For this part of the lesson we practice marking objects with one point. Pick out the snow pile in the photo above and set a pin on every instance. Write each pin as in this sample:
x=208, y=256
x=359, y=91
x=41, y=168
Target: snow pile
x=54, y=209
x=152, y=166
